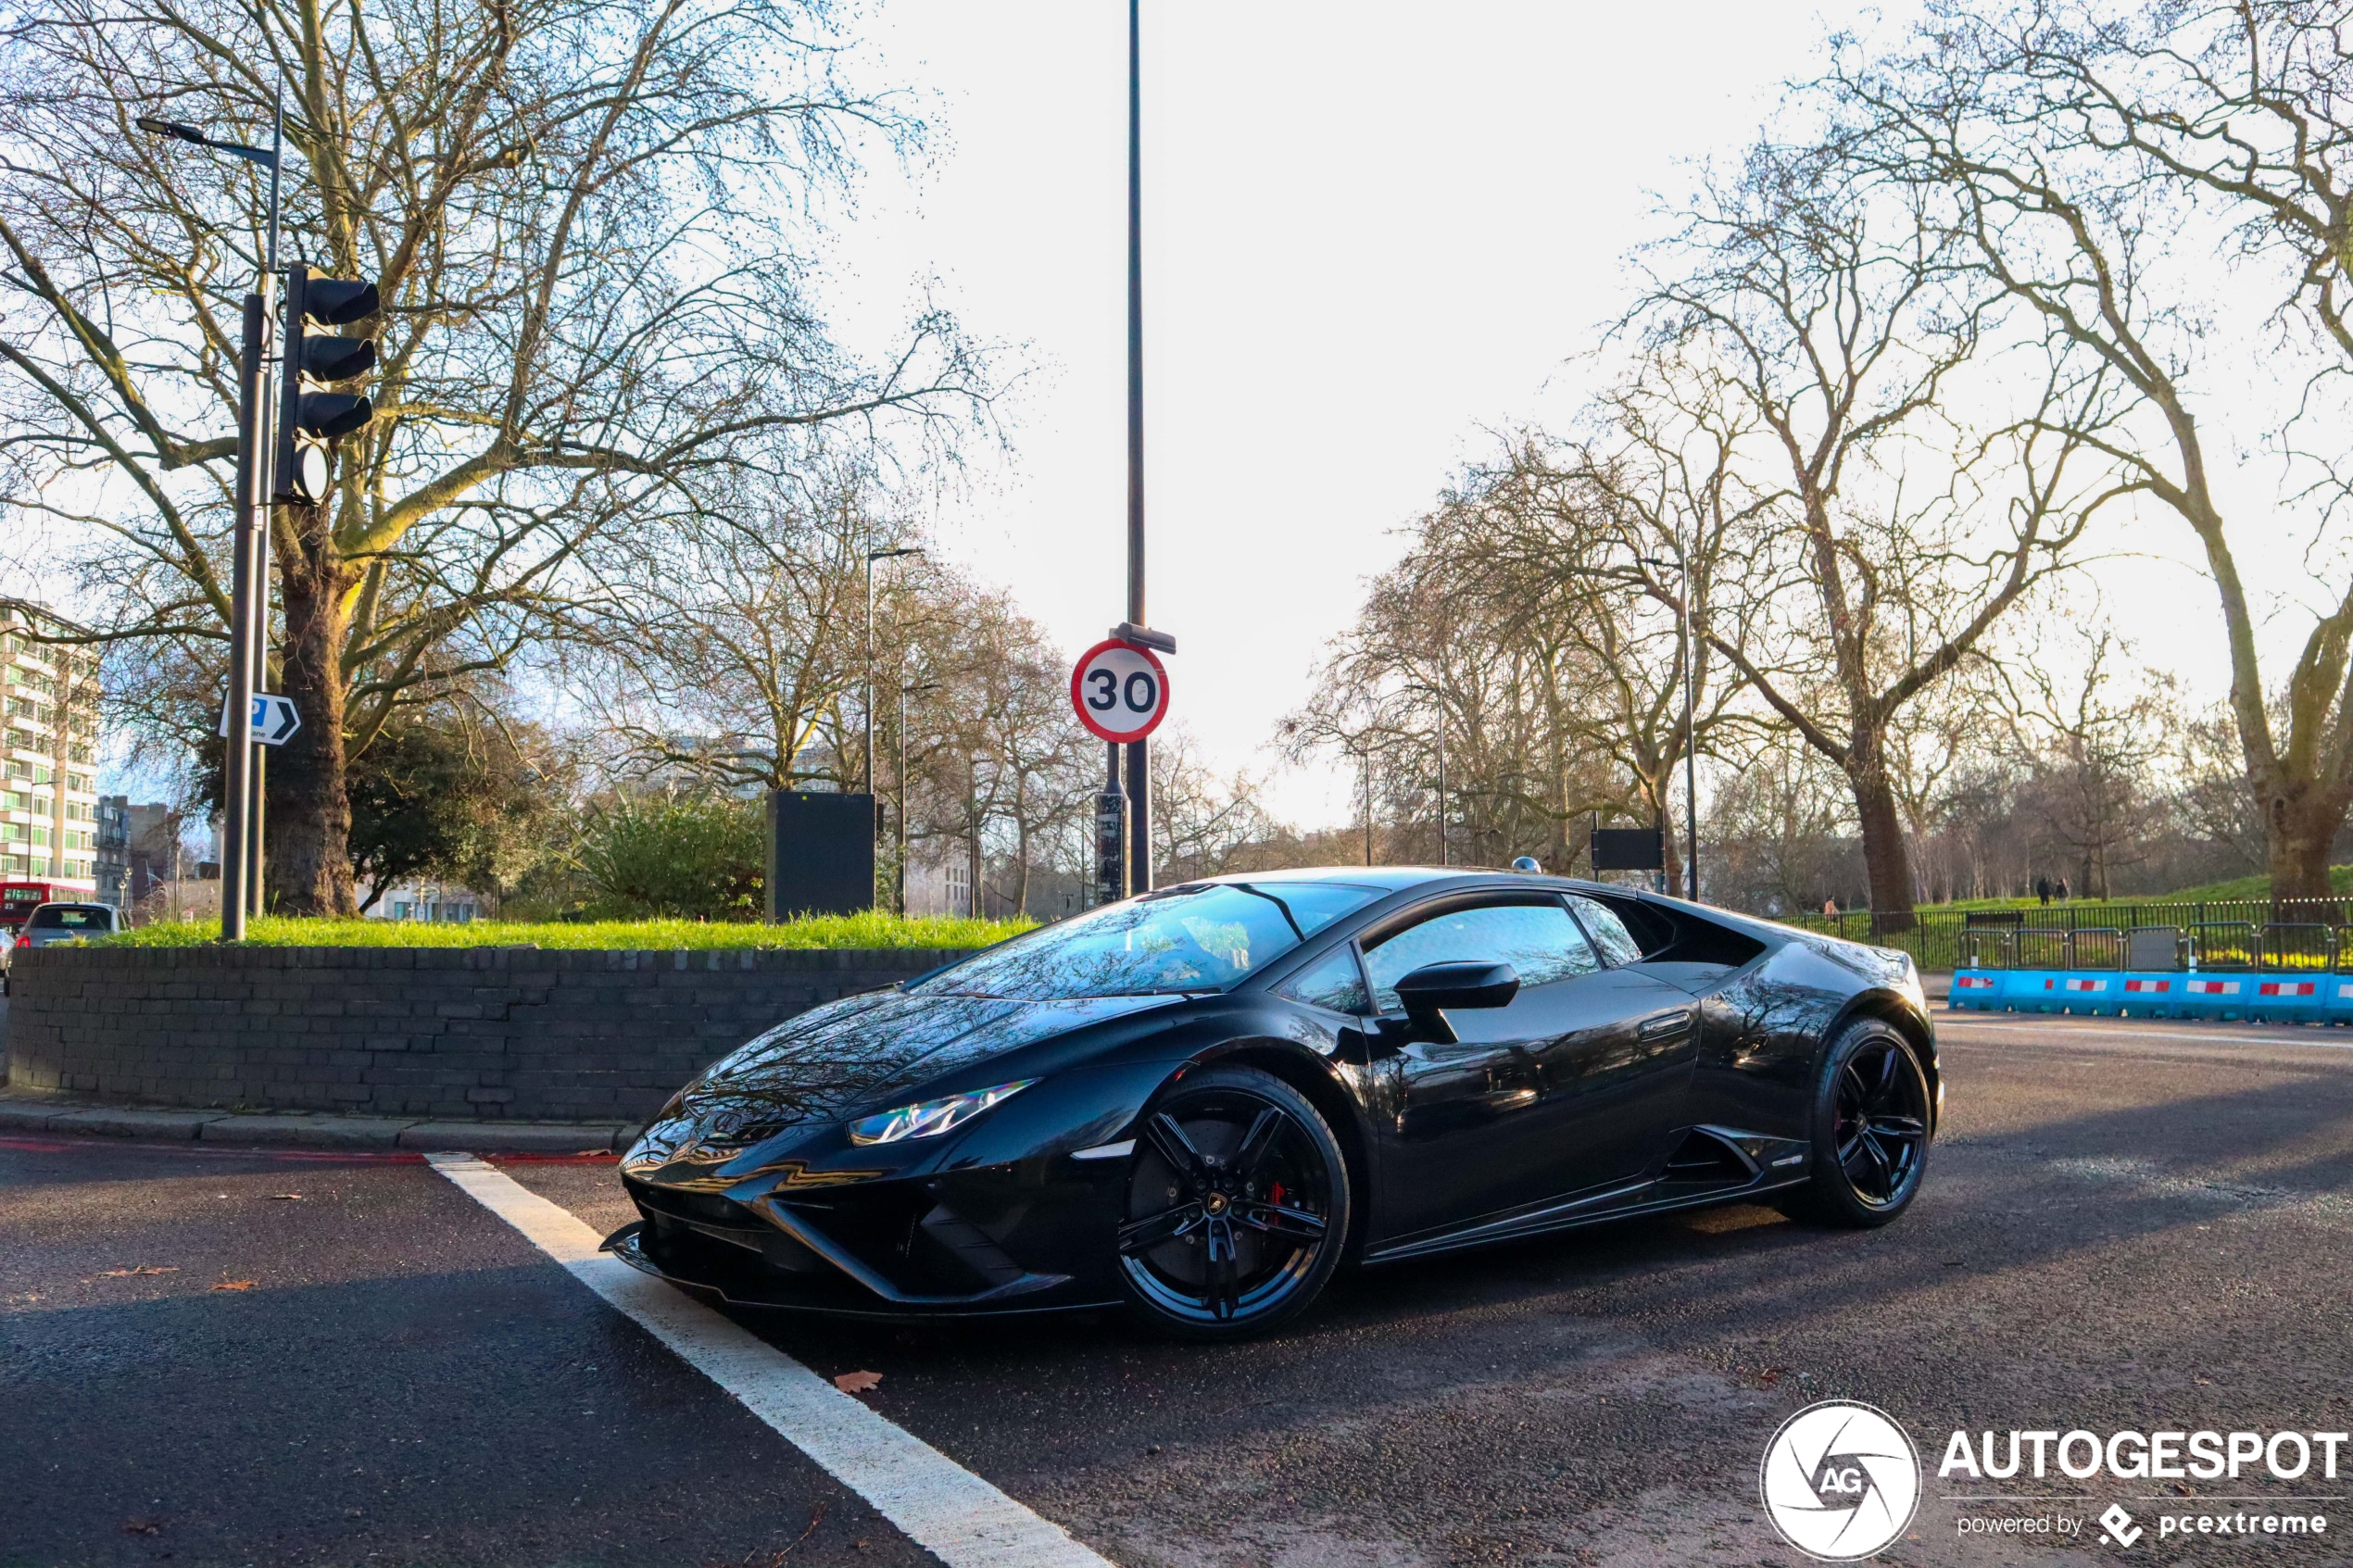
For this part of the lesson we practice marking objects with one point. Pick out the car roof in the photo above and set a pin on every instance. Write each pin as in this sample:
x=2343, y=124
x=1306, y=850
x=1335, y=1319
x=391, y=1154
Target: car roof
x=1398, y=879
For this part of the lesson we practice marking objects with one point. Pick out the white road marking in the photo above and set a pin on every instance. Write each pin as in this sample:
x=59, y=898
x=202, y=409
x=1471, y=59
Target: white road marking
x=946, y=1509
x=2100, y=1029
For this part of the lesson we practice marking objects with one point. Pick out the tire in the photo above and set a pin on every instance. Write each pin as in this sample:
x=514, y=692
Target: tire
x=1238, y=1207
x=1871, y=1126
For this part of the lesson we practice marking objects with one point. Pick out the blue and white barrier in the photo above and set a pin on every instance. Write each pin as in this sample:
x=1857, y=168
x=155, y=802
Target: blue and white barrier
x=2308, y=997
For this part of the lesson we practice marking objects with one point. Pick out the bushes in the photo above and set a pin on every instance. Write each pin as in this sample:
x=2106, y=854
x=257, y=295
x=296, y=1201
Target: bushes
x=668, y=857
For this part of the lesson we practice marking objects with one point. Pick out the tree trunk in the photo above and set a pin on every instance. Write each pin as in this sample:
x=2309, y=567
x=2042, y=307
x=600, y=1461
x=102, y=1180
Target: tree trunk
x=2301, y=822
x=1886, y=862
x=1021, y=870
x=309, y=822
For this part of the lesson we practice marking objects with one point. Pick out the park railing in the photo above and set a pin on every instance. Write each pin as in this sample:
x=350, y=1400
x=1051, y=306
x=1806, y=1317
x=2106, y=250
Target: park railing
x=2246, y=933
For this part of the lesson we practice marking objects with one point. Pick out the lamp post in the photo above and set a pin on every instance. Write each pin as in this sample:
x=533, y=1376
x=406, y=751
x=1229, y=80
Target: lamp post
x=249, y=631
x=900, y=876
x=1687, y=661
x=1139, y=773
x=873, y=556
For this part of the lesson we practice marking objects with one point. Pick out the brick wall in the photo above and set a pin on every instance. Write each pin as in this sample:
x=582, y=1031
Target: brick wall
x=441, y=1032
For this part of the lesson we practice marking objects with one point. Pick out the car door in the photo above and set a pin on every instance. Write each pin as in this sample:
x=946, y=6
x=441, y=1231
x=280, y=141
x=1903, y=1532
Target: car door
x=1620, y=1065
x=1470, y=1135
x=1573, y=1087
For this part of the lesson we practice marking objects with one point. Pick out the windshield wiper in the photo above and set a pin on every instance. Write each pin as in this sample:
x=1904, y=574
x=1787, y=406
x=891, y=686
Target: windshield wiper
x=1296, y=933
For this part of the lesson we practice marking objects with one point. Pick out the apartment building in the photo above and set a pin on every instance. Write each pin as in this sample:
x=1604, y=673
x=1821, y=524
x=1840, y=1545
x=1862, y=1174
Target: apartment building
x=48, y=754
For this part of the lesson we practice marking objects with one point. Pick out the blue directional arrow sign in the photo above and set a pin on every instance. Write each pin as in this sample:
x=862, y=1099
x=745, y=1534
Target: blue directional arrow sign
x=274, y=721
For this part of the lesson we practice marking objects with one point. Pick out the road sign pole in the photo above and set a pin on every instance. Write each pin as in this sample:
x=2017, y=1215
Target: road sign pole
x=236, y=749
x=1139, y=775
x=1110, y=834
x=256, y=542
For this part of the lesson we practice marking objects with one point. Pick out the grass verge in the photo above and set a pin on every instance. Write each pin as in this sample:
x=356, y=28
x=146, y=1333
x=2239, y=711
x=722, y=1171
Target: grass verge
x=869, y=930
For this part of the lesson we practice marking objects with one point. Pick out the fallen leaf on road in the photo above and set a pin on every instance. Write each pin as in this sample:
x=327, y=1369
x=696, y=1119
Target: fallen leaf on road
x=232, y=1285
x=142, y=1269
x=857, y=1382
x=285, y=1197
x=141, y=1527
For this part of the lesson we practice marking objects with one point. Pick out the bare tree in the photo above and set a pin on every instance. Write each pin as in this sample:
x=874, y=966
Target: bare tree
x=731, y=645
x=587, y=225
x=2090, y=739
x=1838, y=320
x=2081, y=155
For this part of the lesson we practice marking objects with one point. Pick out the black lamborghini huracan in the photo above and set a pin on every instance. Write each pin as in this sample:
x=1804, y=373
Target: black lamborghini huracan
x=1200, y=1101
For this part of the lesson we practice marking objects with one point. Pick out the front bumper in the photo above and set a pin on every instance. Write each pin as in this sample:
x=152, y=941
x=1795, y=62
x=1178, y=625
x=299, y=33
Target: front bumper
x=981, y=1243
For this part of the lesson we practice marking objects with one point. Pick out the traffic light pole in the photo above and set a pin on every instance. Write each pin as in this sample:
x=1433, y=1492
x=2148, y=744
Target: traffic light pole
x=241, y=783
x=257, y=627
x=1139, y=773
x=236, y=747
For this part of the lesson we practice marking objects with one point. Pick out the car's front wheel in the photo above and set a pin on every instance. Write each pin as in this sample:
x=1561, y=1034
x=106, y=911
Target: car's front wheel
x=1871, y=1125
x=1237, y=1205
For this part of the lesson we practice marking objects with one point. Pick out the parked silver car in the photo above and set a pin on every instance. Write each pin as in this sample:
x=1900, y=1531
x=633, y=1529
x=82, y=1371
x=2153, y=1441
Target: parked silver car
x=50, y=923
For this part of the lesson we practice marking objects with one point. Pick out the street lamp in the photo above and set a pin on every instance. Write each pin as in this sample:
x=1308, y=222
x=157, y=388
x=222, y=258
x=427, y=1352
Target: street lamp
x=1688, y=658
x=873, y=556
x=900, y=876
x=242, y=781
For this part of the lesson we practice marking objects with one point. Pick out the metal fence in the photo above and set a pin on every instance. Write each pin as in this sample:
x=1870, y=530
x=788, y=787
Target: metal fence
x=2218, y=934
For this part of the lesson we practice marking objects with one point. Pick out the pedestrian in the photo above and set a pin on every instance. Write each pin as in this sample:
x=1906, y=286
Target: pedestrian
x=2043, y=888
x=1829, y=907
x=2062, y=890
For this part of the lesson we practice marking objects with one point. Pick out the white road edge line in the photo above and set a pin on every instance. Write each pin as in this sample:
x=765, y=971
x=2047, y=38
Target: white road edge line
x=946, y=1509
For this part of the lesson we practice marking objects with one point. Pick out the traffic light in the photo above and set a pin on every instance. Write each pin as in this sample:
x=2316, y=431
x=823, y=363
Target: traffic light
x=311, y=419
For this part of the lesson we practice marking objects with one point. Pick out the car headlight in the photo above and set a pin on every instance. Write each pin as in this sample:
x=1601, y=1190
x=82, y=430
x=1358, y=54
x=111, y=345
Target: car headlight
x=931, y=1117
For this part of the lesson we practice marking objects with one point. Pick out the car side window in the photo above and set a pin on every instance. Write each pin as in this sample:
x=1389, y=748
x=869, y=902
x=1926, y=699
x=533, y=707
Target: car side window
x=1609, y=933
x=1539, y=940
x=1332, y=981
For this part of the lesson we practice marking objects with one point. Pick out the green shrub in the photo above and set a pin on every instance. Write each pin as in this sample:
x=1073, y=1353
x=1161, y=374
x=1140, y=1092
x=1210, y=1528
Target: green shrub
x=674, y=857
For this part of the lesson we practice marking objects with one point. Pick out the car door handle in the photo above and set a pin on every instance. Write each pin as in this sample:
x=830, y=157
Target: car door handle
x=1662, y=1025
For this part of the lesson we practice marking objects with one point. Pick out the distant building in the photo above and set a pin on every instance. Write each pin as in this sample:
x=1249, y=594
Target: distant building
x=436, y=902
x=49, y=753
x=139, y=849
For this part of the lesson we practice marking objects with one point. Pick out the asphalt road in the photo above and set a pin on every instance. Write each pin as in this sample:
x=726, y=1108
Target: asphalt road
x=233, y=1357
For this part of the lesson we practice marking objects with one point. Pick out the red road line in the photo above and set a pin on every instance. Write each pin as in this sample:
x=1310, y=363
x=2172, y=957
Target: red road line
x=256, y=1151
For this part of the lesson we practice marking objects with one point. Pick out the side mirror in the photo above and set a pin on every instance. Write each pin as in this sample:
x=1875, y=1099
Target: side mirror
x=1461, y=984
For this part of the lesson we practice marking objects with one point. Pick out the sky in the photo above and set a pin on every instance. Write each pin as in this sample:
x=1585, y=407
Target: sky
x=1373, y=235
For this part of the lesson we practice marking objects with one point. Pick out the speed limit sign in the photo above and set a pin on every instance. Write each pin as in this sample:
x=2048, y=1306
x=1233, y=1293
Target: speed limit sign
x=1120, y=690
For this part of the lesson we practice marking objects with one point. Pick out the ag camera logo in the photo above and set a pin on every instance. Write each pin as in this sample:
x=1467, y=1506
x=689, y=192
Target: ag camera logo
x=1839, y=1480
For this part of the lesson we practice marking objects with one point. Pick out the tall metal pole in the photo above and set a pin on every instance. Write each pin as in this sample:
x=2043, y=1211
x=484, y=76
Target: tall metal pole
x=1140, y=777
x=900, y=876
x=264, y=462
x=236, y=749
x=1445, y=840
x=1690, y=754
x=870, y=661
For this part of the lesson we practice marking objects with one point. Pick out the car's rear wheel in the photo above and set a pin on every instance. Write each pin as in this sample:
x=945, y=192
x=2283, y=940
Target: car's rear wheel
x=1237, y=1205
x=1871, y=1122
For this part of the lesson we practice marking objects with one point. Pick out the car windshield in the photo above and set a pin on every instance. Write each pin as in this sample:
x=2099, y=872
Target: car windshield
x=69, y=917
x=1203, y=937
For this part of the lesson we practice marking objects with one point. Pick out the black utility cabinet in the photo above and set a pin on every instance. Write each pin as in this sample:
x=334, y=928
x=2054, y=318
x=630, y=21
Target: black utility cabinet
x=820, y=853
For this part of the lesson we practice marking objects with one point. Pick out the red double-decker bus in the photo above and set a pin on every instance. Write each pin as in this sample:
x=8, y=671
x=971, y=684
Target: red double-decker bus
x=19, y=900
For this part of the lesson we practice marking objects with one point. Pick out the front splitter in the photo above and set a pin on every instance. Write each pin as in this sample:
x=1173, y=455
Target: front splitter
x=751, y=1284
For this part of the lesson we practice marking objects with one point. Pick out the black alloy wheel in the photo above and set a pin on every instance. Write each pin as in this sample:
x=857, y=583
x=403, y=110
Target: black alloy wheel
x=1871, y=1129
x=1238, y=1207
